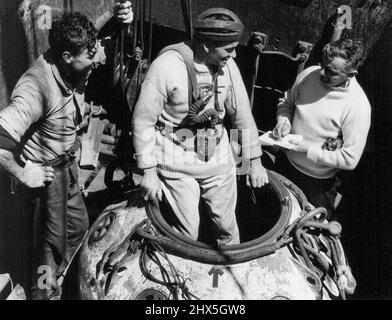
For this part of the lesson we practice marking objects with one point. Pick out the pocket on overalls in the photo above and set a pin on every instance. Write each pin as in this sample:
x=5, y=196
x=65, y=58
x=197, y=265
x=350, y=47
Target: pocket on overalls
x=206, y=143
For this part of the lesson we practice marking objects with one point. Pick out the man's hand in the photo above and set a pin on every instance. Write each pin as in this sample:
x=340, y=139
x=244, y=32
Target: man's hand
x=36, y=176
x=282, y=128
x=300, y=146
x=122, y=12
x=257, y=176
x=151, y=185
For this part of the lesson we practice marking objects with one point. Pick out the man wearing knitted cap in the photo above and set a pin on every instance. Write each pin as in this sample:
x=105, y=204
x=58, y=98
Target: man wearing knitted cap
x=180, y=143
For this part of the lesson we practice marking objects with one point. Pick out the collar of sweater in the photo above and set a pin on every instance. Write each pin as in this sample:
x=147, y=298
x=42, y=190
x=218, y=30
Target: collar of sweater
x=341, y=89
x=201, y=68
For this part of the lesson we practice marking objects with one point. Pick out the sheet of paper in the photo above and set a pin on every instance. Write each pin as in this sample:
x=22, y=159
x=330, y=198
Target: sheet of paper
x=267, y=139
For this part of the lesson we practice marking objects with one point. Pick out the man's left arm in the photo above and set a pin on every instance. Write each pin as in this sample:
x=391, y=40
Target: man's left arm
x=355, y=128
x=242, y=119
x=122, y=15
x=122, y=12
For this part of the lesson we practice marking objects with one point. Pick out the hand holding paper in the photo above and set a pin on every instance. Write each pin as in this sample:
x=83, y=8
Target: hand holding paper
x=288, y=142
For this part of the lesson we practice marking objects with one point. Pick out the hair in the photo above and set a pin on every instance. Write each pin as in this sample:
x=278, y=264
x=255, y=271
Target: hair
x=351, y=50
x=73, y=32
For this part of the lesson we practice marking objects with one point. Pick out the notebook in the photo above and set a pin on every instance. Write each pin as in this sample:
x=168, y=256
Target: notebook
x=267, y=139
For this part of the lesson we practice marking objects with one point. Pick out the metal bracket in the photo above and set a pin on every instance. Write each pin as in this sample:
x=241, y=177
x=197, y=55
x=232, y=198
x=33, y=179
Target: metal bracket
x=258, y=41
x=302, y=51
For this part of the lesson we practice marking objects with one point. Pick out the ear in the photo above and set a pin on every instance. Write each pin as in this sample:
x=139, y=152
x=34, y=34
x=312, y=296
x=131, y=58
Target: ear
x=206, y=48
x=67, y=57
x=353, y=73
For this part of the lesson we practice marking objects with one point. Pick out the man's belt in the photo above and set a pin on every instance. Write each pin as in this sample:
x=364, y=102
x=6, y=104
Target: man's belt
x=66, y=158
x=205, y=140
x=59, y=161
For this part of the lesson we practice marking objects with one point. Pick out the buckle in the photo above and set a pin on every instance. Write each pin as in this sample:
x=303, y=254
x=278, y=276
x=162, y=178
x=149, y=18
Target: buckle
x=207, y=142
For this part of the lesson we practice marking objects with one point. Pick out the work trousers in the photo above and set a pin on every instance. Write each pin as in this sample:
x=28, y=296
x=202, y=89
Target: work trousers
x=60, y=222
x=320, y=192
x=219, y=194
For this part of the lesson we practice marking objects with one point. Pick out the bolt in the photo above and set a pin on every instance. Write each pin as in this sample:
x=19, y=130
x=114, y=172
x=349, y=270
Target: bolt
x=335, y=228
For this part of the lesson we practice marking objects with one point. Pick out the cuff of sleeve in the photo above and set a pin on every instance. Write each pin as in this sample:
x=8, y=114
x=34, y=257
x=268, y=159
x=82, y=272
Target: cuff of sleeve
x=283, y=110
x=314, y=153
x=145, y=161
x=252, y=152
x=7, y=142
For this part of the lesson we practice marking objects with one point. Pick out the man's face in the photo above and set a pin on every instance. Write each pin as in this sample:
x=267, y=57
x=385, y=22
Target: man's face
x=218, y=56
x=334, y=71
x=82, y=64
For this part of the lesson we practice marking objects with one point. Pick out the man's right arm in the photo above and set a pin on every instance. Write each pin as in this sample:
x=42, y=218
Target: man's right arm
x=26, y=107
x=145, y=116
x=149, y=107
x=31, y=175
x=7, y=161
x=285, y=113
x=286, y=107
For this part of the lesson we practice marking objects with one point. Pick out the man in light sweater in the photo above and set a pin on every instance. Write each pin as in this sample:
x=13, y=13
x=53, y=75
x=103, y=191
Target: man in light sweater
x=170, y=130
x=326, y=104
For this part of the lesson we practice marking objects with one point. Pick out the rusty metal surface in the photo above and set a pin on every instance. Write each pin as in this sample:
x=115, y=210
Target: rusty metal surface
x=261, y=279
x=269, y=277
x=284, y=24
x=23, y=41
x=126, y=218
x=12, y=49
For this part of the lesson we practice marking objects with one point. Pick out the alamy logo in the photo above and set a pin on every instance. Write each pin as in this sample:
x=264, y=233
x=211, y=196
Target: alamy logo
x=44, y=281
x=345, y=17
x=44, y=12
x=45, y=17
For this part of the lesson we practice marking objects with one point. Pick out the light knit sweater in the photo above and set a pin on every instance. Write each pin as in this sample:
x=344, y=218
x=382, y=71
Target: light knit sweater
x=164, y=101
x=318, y=112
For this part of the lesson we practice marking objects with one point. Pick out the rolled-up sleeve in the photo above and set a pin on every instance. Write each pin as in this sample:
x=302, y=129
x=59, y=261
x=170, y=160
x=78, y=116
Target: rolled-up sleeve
x=25, y=108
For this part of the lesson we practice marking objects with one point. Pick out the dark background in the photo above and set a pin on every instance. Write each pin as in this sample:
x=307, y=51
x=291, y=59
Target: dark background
x=365, y=211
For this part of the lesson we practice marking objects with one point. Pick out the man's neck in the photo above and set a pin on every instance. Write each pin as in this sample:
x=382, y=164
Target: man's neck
x=340, y=87
x=65, y=75
x=70, y=81
x=200, y=57
x=344, y=84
